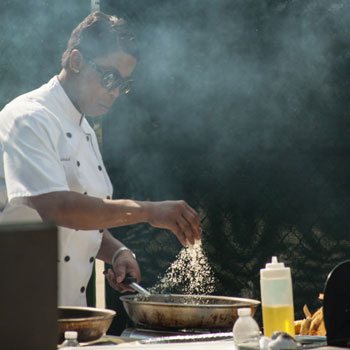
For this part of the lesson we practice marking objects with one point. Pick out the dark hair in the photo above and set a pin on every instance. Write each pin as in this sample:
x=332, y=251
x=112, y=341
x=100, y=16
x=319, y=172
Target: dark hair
x=98, y=35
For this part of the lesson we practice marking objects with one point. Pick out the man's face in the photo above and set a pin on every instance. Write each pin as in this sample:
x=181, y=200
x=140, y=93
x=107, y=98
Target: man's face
x=96, y=96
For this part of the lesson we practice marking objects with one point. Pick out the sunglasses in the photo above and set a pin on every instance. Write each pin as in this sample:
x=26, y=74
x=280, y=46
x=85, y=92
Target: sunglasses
x=111, y=79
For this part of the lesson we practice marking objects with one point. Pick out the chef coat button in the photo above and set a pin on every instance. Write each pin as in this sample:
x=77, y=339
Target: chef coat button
x=108, y=197
x=92, y=259
x=69, y=134
x=87, y=138
x=67, y=258
x=82, y=289
x=78, y=163
x=99, y=168
x=85, y=193
x=101, y=231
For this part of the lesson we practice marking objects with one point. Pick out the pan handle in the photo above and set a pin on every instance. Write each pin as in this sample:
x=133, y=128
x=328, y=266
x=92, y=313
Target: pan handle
x=131, y=281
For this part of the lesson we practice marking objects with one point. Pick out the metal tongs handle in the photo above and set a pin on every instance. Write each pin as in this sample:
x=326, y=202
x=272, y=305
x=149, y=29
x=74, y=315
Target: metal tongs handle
x=131, y=281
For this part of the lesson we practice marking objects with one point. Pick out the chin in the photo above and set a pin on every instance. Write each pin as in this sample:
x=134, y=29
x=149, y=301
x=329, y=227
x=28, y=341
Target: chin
x=95, y=114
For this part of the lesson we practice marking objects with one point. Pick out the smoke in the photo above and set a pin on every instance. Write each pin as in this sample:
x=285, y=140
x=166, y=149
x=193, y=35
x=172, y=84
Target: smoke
x=228, y=81
x=34, y=35
x=240, y=108
x=225, y=81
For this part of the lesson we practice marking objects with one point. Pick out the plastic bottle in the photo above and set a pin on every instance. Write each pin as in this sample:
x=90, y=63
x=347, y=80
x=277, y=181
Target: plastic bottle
x=277, y=298
x=245, y=330
x=70, y=339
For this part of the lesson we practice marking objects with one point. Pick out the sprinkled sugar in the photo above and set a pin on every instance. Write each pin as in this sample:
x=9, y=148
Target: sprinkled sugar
x=190, y=273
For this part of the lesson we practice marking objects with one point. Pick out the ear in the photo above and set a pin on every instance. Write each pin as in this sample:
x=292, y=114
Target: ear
x=75, y=61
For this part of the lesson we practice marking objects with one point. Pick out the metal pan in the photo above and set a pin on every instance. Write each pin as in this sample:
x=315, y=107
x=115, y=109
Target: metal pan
x=90, y=323
x=175, y=311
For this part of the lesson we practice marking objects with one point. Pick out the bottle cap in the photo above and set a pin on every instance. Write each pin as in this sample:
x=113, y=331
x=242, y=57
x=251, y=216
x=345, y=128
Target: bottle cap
x=244, y=311
x=70, y=335
x=275, y=269
x=274, y=264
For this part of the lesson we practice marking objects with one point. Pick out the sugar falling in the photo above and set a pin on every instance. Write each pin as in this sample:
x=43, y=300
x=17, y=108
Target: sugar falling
x=190, y=273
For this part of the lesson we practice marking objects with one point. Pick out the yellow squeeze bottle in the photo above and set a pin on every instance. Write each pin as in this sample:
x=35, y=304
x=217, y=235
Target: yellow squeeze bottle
x=277, y=298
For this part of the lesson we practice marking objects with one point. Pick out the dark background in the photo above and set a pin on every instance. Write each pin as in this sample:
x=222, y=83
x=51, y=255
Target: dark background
x=240, y=107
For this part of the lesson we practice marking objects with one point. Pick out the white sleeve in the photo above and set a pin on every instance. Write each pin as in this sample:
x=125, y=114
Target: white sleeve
x=32, y=164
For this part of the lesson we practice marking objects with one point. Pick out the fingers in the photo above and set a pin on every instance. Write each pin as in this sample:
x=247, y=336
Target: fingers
x=112, y=280
x=125, y=264
x=192, y=218
x=180, y=235
x=178, y=217
x=120, y=273
x=186, y=231
x=188, y=226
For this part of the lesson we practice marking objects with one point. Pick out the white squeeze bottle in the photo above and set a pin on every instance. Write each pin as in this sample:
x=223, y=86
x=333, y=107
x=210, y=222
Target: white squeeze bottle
x=277, y=298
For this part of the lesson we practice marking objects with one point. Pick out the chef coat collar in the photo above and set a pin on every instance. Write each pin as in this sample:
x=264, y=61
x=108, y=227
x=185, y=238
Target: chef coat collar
x=67, y=106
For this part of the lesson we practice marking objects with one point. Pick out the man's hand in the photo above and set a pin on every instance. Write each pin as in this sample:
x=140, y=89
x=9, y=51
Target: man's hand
x=178, y=217
x=125, y=264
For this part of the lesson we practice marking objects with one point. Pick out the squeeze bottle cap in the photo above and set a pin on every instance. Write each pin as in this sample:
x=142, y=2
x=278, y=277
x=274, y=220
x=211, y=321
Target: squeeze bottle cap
x=244, y=311
x=275, y=269
x=274, y=264
x=70, y=335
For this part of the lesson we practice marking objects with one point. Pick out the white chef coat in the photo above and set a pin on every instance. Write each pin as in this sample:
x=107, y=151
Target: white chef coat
x=47, y=145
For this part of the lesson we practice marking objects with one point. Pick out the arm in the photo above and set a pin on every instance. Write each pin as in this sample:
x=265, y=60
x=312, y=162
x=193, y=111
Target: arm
x=78, y=211
x=34, y=166
x=124, y=264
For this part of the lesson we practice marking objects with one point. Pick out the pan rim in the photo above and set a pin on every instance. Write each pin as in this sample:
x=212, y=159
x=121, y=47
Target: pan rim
x=107, y=313
x=241, y=302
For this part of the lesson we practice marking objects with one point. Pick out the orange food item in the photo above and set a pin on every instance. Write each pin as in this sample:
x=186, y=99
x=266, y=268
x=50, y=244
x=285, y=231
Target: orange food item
x=313, y=324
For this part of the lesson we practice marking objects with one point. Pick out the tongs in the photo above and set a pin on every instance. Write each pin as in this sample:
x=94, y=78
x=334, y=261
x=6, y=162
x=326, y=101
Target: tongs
x=131, y=281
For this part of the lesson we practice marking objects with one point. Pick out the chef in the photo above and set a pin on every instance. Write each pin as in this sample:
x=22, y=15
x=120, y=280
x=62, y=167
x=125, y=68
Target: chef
x=51, y=167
